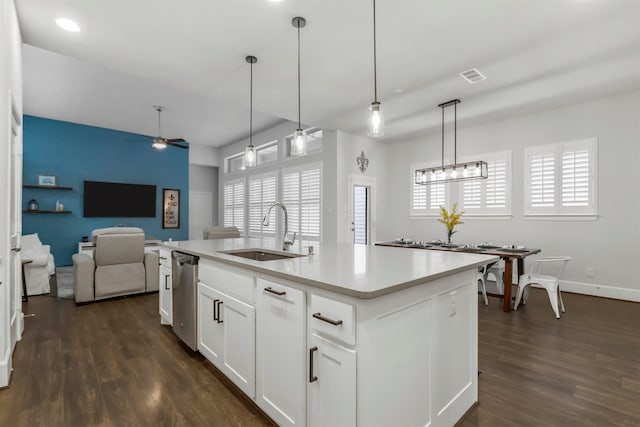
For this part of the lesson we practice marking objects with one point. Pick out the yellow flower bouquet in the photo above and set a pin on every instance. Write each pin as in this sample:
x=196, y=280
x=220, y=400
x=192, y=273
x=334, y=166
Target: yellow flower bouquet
x=450, y=219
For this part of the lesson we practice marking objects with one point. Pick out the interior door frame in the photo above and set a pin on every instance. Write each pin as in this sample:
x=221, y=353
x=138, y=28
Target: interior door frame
x=365, y=181
x=16, y=320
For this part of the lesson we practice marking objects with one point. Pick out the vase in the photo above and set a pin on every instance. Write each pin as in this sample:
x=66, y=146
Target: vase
x=449, y=234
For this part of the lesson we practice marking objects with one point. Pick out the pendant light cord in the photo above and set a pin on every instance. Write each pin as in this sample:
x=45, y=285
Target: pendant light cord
x=298, y=25
x=159, y=129
x=251, y=105
x=375, y=59
x=455, y=133
x=442, y=107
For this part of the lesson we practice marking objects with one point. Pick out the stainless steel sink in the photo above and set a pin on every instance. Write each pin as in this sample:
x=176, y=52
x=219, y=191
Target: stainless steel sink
x=261, y=254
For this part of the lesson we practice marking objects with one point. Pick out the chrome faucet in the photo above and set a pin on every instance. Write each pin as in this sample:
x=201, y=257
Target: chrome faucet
x=286, y=243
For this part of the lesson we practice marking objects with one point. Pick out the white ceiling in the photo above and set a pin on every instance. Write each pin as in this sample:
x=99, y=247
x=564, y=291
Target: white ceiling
x=188, y=56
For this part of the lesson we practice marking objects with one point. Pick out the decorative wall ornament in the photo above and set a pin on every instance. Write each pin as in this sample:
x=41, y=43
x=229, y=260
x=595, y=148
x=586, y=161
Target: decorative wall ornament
x=362, y=162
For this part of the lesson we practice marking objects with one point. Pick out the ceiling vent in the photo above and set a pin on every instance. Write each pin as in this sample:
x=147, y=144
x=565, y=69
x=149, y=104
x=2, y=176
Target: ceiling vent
x=473, y=76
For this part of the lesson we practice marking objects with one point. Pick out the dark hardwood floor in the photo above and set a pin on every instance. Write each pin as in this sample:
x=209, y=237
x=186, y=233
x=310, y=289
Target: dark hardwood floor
x=112, y=364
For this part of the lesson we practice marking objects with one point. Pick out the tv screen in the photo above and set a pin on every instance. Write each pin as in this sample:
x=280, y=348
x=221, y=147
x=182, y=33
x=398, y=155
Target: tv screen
x=112, y=199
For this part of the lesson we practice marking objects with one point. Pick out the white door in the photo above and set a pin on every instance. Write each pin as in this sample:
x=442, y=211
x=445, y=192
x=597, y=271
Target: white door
x=239, y=348
x=200, y=213
x=210, y=338
x=15, y=226
x=332, y=384
x=362, y=209
x=281, y=357
x=166, y=308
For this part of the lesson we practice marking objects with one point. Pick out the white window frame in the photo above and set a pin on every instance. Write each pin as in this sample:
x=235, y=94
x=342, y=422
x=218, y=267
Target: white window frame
x=263, y=205
x=427, y=210
x=484, y=210
x=310, y=145
x=240, y=224
x=557, y=150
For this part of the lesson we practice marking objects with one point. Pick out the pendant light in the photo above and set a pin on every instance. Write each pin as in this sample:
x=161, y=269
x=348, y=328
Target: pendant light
x=457, y=171
x=250, y=158
x=376, y=121
x=299, y=146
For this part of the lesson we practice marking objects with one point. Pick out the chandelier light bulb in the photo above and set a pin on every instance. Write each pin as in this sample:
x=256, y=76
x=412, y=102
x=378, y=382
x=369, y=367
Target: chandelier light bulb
x=465, y=171
x=454, y=173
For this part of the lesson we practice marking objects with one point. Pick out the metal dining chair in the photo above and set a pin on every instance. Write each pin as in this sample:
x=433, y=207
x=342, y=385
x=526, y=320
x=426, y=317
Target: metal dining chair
x=497, y=270
x=482, y=278
x=550, y=282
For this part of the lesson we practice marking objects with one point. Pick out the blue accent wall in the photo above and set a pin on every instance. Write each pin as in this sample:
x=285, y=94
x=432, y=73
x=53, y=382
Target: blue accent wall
x=77, y=153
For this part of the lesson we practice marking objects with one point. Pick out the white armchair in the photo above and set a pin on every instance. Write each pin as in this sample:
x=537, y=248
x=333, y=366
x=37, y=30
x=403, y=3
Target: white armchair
x=37, y=272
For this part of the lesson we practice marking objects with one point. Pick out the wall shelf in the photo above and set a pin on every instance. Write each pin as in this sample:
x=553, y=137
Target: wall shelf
x=47, y=187
x=48, y=212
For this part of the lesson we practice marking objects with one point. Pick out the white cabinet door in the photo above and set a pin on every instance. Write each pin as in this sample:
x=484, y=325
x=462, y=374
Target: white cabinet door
x=227, y=336
x=165, y=296
x=332, y=384
x=281, y=353
x=210, y=333
x=239, y=348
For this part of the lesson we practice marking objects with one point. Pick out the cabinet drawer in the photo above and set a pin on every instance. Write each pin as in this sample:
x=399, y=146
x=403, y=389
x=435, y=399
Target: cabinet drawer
x=165, y=258
x=333, y=319
x=227, y=279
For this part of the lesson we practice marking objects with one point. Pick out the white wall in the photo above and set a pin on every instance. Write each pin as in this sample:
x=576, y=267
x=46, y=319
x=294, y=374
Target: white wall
x=10, y=88
x=349, y=148
x=608, y=244
x=204, y=155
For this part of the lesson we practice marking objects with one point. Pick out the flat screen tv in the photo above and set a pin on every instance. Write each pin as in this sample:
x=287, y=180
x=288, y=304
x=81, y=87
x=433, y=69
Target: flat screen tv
x=113, y=199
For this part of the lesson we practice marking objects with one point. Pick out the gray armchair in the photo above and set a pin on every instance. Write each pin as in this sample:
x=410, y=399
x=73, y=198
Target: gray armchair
x=119, y=266
x=220, y=233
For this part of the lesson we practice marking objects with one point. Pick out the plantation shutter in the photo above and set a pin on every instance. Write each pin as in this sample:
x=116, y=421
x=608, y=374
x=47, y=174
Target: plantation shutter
x=234, y=204
x=262, y=193
x=301, y=193
x=491, y=196
x=496, y=185
x=472, y=194
x=561, y=178
x=426, y=199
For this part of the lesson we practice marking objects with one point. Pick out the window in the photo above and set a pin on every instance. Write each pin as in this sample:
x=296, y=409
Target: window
x=234, y=204
x=491, y=196
x=267, y=153
x=234, y=163
x=314, y=141
x=301, y=190
x=427, y=199
x=262, y=193
x=560, y=179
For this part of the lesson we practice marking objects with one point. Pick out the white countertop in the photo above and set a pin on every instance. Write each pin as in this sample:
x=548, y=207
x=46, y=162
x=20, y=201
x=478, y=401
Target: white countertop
x=360, y=271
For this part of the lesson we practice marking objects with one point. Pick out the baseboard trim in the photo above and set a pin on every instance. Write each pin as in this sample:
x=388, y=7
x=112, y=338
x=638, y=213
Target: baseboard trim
x=5, y=369
x=597, y=290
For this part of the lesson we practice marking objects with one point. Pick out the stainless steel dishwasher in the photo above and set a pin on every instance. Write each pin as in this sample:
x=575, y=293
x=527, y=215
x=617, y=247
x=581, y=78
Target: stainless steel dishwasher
x=184, y=291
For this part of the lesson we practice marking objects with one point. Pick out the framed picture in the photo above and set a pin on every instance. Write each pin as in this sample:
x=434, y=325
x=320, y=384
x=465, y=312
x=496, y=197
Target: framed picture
x=170, y=208
x=47, y=180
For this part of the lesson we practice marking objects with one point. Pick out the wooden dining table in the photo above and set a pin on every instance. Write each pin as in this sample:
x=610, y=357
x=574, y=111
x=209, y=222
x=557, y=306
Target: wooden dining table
x=507, y=254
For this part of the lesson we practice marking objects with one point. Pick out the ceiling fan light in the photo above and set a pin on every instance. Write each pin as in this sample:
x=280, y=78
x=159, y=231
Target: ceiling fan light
x=299, y=145
x=158, y=144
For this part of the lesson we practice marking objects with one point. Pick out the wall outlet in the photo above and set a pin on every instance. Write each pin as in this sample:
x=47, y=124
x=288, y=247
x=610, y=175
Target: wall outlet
x=590, y=272
x=452, y=304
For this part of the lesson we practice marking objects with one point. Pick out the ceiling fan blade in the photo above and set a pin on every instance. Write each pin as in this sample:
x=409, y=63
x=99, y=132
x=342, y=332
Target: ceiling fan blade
x=176, y=140
x=175, y=143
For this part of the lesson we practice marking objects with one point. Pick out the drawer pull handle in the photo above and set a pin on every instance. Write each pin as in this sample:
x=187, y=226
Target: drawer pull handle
x=272, y=291
x=319, y=316
x=219, y=304
x=166, y=282
x=215, y=301
x=312, y=377
x=163, y=257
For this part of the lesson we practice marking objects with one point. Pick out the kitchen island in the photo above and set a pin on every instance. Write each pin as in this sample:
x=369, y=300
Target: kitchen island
x=351, y=335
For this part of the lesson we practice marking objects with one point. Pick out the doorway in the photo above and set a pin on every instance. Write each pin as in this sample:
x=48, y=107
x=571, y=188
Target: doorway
x=362, y=209
x=15, y=226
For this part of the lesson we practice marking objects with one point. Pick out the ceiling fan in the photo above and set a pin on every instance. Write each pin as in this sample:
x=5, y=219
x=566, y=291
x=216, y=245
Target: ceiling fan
x=160, y=143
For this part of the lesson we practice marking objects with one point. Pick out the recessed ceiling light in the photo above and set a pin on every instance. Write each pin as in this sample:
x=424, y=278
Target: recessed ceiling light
x=67, y=24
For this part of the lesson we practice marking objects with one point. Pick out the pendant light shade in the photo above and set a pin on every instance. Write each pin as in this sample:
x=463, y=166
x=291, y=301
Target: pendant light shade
x=375, y=126
x=476, y=169
x=250, y=159
x=299, y=143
